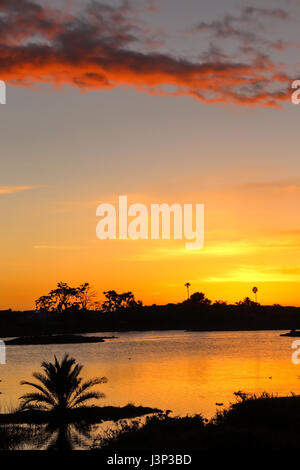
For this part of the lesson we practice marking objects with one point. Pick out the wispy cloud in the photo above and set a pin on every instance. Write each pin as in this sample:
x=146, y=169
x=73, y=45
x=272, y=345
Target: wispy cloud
x=58, y=247
x=248, y=273
x=15, y=189
x=245, y=28
x=219, y=249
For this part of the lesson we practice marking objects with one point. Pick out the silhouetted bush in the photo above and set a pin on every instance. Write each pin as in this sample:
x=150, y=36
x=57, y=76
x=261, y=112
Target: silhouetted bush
x=264, y=423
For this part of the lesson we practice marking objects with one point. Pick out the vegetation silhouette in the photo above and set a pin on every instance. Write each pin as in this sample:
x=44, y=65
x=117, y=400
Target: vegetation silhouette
x=65, y=298
x=56, y=415
x=199, y=298
x=114, y=301
x=69, y=310
x=61, y=387
x=253, y=422
x=254, y=290
x=188, y=285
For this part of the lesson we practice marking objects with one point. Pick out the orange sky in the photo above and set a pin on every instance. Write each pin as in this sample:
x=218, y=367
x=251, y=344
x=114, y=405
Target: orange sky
x=250, y=239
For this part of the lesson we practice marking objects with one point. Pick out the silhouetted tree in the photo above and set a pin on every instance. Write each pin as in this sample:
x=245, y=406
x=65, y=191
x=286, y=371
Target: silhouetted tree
x=45, y=303
x=199, y=298
x=60, y=387
x=115, y=301
x=85, y=296
x=188, y=285
x=65, y=298
x=220, y=303
x=255, y=293
x=247, y=302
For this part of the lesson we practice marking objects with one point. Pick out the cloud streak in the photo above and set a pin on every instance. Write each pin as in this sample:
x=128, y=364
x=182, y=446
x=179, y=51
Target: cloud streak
x=105, y=47
x=249, y=273
x=15, y=189
x=58, y=247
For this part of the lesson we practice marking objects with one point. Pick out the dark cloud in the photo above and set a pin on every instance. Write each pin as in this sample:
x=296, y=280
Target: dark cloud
x=105, y=47
x=225, y=29
x=236, y=26
x=274, y=13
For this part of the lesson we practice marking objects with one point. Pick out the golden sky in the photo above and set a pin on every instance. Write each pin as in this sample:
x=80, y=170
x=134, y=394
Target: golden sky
x=103, y=102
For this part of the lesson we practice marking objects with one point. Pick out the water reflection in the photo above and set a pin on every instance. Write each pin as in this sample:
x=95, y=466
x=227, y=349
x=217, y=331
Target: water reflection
x=187, y=372
x=59, y=436
x=66, y=436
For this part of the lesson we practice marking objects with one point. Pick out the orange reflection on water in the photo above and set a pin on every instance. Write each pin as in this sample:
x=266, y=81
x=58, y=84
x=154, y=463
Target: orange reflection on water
x=183, y=371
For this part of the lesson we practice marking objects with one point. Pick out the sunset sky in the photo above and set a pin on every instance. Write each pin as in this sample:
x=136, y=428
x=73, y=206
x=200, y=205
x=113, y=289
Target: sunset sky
x=163, y=101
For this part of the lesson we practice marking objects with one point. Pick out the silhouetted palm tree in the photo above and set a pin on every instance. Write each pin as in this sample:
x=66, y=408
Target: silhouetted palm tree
x=60, y=387
x=188, y=285
x=255, y=292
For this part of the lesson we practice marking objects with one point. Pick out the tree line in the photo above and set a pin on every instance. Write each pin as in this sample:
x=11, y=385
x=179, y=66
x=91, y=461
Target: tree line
x=68, y=309
x=65, y=298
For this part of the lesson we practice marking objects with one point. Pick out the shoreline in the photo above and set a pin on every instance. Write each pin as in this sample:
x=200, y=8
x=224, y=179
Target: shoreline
x=7, y=338
x=55, y=339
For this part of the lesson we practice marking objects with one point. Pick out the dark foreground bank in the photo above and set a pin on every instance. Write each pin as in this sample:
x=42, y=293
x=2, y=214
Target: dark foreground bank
x=263, y=423
x=250, y=424
x=251, y=429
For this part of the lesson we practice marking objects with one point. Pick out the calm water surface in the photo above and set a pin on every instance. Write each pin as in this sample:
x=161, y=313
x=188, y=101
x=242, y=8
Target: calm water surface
x=187, y=372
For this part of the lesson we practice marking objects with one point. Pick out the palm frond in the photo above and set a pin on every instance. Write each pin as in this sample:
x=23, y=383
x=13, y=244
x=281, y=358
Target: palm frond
x=38, y=387
x=86, y=397
x=37, y=398
x=88, y=384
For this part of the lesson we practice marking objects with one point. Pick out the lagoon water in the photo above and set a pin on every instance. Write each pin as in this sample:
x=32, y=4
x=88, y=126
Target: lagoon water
x=186, y=372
